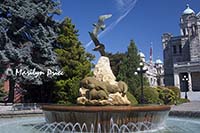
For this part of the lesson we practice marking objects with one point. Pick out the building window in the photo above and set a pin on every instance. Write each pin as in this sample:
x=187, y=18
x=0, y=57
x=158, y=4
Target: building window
x=184, y=32
x=180, y=49
x=181, y=20
x=174, y=49
x=193, y=30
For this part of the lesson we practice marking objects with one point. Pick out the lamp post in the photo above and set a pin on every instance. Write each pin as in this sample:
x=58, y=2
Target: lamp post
x=185, y=81
x=11, y=93
x=141, y=70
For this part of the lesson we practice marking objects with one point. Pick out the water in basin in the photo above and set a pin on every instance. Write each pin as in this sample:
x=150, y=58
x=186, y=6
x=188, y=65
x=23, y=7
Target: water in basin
x=36, y=125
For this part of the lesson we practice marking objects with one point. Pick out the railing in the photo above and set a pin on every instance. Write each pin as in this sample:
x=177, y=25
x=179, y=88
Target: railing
x=5, y=98
x=25, y=106
x=193, y=63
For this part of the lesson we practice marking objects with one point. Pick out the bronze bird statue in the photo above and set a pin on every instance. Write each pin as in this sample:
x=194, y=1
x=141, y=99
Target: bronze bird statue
x=100, y=23
x=98, y=46
x=94, y=34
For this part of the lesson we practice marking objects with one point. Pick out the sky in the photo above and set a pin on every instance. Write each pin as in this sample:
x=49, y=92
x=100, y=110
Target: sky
x=143, y=21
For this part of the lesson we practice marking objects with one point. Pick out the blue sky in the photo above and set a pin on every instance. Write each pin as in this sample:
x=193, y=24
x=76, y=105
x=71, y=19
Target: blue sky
x=144, y=21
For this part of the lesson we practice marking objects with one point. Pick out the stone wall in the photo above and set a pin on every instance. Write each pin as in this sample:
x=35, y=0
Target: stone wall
x=168, y=60
x=195, y=49
x=182, y=49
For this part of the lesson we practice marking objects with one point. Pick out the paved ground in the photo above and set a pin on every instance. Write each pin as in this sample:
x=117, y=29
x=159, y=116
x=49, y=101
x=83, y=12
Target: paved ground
x=191, y=106
x=191, y=109
x=8, y=111
x=193, y=96
x=5, y=108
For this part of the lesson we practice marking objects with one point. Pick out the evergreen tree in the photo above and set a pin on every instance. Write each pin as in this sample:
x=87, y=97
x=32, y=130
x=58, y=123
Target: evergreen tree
x=27, y=38
x=129, y=66
x=74, y=61
x=115, y=61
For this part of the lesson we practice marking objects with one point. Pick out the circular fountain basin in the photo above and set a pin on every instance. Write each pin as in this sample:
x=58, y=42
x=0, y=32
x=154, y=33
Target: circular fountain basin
x=34, y=125
x=101, y=117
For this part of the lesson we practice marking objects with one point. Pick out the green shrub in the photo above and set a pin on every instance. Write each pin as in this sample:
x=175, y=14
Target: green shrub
x=182, y=100
x=151, y=96
x=131, y=98
x=166, y=95
x=176, y=90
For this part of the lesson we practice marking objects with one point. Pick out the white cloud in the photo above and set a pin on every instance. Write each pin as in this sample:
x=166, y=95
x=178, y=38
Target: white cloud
x=122, y=5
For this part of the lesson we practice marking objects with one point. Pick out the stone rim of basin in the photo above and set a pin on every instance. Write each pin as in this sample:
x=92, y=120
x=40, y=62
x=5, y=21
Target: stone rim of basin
x=105, y=108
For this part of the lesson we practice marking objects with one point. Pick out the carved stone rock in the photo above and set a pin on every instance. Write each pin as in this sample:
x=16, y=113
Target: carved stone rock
x=103, y=72
x=102, y=89
x=118, y=99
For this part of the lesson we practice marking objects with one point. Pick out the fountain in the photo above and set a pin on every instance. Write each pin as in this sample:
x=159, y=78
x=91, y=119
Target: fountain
x=103, y=104
x=103, y=117
x=38, y=125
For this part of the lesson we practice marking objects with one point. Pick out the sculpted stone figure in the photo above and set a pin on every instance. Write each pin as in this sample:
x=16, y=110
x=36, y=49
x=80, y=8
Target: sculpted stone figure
x=100, y=24
x=98, y=46
x=94, y=34
x=102, y=88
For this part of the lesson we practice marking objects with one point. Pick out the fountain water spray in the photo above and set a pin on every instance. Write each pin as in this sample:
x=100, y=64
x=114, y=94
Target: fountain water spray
x=61, y=127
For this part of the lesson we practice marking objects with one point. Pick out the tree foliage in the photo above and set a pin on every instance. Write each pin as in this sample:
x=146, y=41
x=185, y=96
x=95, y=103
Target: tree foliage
x=27, y=36
x=151, y=96
x=129, y=66
x=115, y=61
x=74, y=61
x=27, y=39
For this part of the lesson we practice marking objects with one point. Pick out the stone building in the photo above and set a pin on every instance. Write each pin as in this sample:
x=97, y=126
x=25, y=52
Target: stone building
x=182, y=53
x=155, y=72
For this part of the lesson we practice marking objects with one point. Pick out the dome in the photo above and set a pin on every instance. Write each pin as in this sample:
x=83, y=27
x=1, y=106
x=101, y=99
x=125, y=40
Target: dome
x=188, y=10
x=141, y=55
x=158, y=61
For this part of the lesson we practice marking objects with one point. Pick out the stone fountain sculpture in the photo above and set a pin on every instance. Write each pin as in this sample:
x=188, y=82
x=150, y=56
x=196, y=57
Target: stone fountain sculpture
x=102, y=88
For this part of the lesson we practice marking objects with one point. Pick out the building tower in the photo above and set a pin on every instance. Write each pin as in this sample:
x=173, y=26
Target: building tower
x=151, y=55
x=182, y=53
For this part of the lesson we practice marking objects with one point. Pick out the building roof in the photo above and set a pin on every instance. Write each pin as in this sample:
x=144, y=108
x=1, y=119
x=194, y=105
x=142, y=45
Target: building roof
x=141, y=55
x=158, y=61
x=188, y=10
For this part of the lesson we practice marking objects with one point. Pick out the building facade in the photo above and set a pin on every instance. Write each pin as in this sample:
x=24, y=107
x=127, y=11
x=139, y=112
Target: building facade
x=182, y=53
x=155, y=71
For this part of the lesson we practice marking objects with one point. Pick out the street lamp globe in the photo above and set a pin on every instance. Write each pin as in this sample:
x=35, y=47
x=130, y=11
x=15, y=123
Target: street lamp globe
x=135, y=73
x=141, y=64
